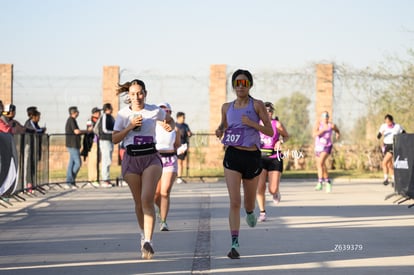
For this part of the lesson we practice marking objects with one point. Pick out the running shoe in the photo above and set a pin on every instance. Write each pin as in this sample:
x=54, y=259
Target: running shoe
x=386, y=182
x=328, y=187
x=319, y=186
x=147, y=251
x=233, y=254
x=251, y=219
x=235, y=243
x=276, y=198
x=106, y=184
x=164, y=227
x=95, y=184
x=179, y=180
x=142, y=240
x=262, y=217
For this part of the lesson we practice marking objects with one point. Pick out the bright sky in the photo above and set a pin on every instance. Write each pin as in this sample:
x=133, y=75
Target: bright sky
x=78, y=37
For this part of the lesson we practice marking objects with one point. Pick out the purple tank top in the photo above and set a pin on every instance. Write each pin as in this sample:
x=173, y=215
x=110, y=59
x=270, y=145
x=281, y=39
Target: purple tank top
x=324, y=139
x=238, y=134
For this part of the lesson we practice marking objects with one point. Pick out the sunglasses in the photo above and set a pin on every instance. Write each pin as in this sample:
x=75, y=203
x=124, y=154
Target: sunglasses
x=242, y=83
x=269, y=110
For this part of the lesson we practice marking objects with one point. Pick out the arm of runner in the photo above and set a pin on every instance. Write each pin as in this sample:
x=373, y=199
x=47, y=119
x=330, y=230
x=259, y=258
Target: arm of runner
x=338, y=134
x=282, y=131
x=266, y=128
x=223, y=124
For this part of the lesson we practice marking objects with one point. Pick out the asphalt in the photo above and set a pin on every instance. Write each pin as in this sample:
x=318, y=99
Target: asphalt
x=352, y=230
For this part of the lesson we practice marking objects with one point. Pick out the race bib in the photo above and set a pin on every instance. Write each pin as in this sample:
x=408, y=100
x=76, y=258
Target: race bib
x=323, y=141
x=233, y=137
x=168, y=161
x=267, y=141
x=139, y=140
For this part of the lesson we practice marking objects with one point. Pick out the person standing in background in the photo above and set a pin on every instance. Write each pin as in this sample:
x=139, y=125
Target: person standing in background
x=105, y=143
x=73, y=144
x=32, y=148
x=92, y=151
x=4, y=125
x=184, y=132
x=9, y=112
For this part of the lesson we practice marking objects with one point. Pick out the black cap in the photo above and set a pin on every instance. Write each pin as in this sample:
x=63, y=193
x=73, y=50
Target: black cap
x=95, y=110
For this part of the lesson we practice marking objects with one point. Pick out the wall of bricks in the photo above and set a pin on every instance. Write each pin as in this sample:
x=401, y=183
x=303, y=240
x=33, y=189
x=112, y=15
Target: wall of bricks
x=217, y=96
x=6, y=83
x=110, y=80
x=324, y=89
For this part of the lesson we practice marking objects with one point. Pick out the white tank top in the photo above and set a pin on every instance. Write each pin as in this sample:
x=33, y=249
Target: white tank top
x=165, y=140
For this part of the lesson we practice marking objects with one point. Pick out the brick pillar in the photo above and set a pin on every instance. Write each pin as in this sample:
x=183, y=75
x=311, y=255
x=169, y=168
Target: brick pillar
x=218, y=89
x=324, y=89
x=110, y=80
x=6, y=83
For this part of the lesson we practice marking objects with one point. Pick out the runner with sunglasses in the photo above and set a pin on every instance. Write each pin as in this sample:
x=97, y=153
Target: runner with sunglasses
x=239, y=130
x=272, y=162
x=141, y=165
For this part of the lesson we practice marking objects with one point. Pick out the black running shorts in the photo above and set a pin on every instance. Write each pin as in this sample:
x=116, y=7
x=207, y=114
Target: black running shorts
x=388, y=148
x=248, y=163
x=272, y=164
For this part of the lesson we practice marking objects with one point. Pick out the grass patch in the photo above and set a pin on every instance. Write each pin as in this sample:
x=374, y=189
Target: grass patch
x=334, y=174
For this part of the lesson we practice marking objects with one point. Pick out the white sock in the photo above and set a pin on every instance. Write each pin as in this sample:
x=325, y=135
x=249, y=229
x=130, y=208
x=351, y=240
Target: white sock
x=385, y=176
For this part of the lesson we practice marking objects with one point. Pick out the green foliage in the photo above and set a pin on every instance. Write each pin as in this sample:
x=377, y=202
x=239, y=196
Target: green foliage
x=293, y=113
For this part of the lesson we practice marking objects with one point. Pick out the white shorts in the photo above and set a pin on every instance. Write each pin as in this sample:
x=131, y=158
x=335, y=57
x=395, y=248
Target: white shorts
x=169, y=163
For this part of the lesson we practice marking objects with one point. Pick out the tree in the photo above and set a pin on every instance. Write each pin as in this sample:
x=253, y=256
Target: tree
x=293, y=113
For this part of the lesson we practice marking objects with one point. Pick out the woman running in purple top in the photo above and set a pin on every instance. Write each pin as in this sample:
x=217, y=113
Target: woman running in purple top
x=239, y=130
x=323, y=146
x=272, y=163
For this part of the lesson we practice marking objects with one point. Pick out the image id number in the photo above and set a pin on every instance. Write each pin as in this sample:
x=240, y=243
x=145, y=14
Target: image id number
x=348, y=247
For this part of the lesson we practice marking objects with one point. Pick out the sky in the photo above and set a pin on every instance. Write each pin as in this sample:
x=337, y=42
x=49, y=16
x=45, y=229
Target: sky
x=75, y=38
x=78, y=37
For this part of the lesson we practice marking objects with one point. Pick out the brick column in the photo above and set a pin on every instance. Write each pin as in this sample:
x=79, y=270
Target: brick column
x=6, y=83
x=324, y=89
x=217, y=96
x=110, y=80
x=218, y=89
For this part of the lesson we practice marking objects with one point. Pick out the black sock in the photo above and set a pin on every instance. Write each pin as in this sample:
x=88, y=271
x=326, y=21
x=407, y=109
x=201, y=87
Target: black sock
x=249, y=212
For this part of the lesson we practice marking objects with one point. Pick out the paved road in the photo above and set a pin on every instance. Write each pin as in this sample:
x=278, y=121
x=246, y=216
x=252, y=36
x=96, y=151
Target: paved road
x=94, y=231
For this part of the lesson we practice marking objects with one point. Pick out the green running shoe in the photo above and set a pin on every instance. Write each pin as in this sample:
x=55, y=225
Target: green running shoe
x=319, y=186
x=251, y=219
x=328, y=188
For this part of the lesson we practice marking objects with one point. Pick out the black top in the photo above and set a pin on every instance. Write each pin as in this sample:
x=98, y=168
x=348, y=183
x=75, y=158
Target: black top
x=72, y=140
x=108, y=124
x=183, y=130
